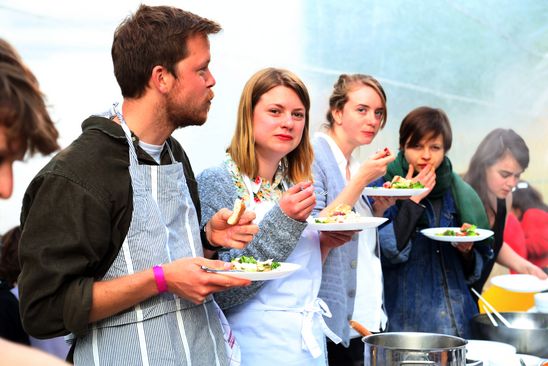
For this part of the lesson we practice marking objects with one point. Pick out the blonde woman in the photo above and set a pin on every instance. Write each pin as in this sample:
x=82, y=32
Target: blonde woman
x=268, y=165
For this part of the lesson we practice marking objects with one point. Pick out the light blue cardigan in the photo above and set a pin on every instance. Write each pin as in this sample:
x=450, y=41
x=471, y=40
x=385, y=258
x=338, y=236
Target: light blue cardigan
x=338, y=288
x=278, y=233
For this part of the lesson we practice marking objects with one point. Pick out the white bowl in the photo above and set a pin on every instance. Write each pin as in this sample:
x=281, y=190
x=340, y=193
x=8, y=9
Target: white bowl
x=491, y=353
x=541, y=302
x=529, y=359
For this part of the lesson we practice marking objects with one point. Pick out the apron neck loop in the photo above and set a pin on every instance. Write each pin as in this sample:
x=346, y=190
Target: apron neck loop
x=127, y=132
x=170, y=152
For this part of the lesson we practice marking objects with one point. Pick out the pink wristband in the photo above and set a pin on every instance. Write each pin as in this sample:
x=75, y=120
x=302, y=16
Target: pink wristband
x=161, y=283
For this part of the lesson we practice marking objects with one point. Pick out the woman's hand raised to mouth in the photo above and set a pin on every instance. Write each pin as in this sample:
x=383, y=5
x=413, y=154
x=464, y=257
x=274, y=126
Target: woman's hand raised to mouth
x=426, y=176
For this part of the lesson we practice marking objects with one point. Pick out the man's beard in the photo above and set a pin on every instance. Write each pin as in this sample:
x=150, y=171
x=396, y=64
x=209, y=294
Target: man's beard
x=182, y=115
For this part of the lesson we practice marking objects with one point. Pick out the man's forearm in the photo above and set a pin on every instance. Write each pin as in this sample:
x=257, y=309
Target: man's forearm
x=113, y=296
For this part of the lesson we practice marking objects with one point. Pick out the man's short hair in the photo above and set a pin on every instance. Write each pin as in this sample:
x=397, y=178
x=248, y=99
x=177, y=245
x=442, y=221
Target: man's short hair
x=154, y=35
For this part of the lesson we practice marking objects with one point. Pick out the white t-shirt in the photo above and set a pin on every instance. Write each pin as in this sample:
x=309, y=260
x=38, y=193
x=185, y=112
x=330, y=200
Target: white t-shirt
x=368, y=309
x=153, y=150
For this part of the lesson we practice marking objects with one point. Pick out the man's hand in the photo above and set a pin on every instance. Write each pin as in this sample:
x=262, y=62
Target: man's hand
x=220, y=233
x=187, y=279
x=184, y=277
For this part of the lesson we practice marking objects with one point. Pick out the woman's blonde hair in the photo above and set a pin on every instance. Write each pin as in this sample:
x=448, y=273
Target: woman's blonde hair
x=242, y=148
x=345, y=84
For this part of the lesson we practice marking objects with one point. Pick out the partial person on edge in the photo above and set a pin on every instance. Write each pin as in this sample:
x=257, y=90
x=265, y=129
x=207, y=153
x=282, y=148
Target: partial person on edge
x=25, y=126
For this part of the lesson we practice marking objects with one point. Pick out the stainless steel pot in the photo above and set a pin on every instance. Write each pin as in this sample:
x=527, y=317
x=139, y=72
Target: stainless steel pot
x=529, y=332
x=408, y=348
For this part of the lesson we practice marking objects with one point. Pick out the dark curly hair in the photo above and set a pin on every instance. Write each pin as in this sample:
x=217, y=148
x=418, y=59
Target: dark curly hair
x=9, y=257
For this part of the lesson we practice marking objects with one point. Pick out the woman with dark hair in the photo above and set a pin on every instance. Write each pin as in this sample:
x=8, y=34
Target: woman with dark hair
x=423, y=276
x=268, y=165
x=526, y=229
x=494, y=171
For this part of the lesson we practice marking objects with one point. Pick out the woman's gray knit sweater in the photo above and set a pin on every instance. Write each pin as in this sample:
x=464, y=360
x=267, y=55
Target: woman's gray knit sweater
x=277, y=237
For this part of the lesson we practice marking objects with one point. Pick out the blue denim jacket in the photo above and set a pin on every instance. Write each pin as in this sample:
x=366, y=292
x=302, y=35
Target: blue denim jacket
x=425, y=287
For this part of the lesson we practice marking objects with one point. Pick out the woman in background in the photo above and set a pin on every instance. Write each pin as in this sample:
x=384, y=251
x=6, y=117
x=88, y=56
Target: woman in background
x=426, y=281
x=352, y=278
x=494, y=171
x=268, y=166
x=529, y=208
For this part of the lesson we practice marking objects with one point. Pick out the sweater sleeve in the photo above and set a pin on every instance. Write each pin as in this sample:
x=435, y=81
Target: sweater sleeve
x=217, y=191
x=395, y=237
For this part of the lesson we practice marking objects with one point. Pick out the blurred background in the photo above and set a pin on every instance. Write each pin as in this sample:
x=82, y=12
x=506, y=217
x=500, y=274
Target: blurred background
x=484, y=62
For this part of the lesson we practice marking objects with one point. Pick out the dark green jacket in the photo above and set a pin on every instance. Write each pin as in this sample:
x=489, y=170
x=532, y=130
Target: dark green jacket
x=76, y=213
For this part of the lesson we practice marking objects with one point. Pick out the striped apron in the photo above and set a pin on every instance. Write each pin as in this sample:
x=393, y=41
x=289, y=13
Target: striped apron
x=165, y=329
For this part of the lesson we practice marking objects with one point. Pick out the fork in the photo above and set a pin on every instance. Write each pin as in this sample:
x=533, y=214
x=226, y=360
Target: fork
x=213, y=270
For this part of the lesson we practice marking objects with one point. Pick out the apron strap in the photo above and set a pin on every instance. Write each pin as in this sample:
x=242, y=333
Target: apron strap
x=127, y=132
x=170, y=153
x=317, y=309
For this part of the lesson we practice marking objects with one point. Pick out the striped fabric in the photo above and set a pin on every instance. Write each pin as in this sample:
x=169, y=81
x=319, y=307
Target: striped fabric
x=165, y=329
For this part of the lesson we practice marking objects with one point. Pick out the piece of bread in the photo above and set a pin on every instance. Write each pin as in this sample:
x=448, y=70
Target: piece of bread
x=237, y=212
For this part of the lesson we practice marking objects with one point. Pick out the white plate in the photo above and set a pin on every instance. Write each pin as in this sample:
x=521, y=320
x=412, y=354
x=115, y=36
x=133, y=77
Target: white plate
x=431, y=233
x=520, y=283
x=393, y=192
x=285, y=269
x=360, y=224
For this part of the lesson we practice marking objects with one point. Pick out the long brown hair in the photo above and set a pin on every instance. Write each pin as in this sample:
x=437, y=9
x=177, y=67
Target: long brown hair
x=493, y=147
x=242, y=147
x=23, y=109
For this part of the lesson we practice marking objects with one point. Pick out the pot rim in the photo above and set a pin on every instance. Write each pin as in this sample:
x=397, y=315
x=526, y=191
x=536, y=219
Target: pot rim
x=419, y=334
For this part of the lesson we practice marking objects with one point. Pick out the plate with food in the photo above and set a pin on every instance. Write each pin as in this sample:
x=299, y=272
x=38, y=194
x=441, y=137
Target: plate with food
x=397, y=187
x=520, y=283
x=256, y=270
x=465, y=234
x=342, y=218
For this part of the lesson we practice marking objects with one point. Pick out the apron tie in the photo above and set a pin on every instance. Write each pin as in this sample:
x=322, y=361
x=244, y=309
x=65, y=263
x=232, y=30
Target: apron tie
x=317, y=309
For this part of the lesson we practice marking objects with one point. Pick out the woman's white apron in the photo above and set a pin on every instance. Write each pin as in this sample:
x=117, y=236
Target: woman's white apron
x=283, y=323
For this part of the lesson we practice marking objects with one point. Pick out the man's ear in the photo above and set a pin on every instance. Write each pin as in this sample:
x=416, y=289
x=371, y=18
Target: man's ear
x=161, y=79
